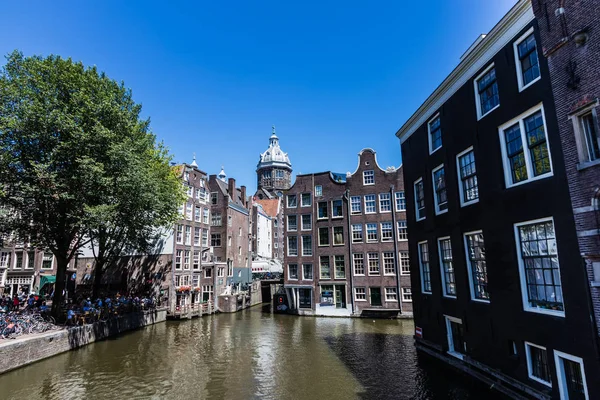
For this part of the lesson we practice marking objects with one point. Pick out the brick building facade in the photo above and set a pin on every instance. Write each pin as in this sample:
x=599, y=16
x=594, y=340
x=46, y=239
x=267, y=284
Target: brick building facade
x=570, y=37
x=346, y=243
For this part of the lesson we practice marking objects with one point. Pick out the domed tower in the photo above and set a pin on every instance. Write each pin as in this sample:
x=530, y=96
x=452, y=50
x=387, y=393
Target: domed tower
x=274, y=170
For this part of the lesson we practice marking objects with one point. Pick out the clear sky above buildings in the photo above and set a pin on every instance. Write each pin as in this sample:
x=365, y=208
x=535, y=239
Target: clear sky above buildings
x=332, y=76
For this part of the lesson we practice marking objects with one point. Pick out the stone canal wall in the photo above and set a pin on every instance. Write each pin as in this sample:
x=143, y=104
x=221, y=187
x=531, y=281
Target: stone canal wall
x=23, y=351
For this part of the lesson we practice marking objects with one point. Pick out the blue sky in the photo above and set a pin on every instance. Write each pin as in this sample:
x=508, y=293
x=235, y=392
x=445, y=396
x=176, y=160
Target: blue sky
x=332, y=76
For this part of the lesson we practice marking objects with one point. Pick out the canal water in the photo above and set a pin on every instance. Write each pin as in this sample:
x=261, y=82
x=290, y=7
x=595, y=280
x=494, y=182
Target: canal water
x=248, y=355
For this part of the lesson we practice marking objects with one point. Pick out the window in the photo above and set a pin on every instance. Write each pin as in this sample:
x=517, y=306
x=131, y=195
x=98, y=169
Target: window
x=338, y=235
x=208, y=273
x=402, y=230
x=190, y=191
x=486, y=92
x=357, y=233
x=539, y=267
x=229, y=241
x=448, y=281
x=358, y=260
x=371, y=232
x=30, y=260
x=477, y=266
x=196, y=281
x=325, y=268
x=196, y=236
x=307, y=245
x=355, y=205
x=340, y=267
x=307, y=272
x=385, y=202
x=196, y=260
x=387, y=232
x=337, y=209
x=47, y=260
x=322, y=212
x=220, y=272
x=278, y=173
x=391, y=294
x=369, y=177
x=571, y=376
x=318, y=191
x=404, y=263
x=467, y=173
x=197, y=214
x=292, y=222
x=214, y=198
x=229, y=220
x=528, y=69
x=292, y=245
x=370, y=207
x=4, y=259
x=205, y=238
x=306, y=222
x=305, y=298
x=388, y=263
x=305, y=200
x=240, y=232
x=292, y=271
x=216, y=219
x=456, y=341
x=360, y=294
x=292, y=201
x=18, y=260
x=373, y=259
x=435, y=134
x=215, y=239
x=420, y=199
x=239, y=250
x=407, y=294
x=537, y=364
x=188, y=211
x=324, y=236
x=440, y=196
x=186, y=259
x=588, y=128
x=523, y=165
x=400, y=201
x=205, y=215
x=188, y=235
x=179, y=234
x=424, y=267
x=178, y=255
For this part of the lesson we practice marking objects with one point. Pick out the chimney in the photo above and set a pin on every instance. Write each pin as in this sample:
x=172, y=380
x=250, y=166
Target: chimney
x=231, y=189
x=243, y=195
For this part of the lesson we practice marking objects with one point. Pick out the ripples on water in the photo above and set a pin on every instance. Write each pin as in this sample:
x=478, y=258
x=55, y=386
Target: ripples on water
x=248, y=355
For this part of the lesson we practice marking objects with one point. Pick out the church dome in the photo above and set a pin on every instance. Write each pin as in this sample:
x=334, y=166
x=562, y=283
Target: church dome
x=274, y=156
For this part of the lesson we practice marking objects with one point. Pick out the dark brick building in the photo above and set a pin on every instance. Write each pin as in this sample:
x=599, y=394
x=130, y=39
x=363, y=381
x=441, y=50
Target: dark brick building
x=499, y=289
x=346, y=242
x=570, y=38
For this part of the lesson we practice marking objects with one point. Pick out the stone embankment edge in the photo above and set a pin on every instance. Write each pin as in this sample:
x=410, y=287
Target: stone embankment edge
x=20, y=352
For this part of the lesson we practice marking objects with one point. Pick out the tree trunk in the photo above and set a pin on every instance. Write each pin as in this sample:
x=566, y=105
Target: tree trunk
x=98, y=273
x=60, y=284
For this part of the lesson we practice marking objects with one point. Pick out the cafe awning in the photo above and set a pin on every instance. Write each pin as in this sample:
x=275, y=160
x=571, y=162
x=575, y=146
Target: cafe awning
x=44, y=279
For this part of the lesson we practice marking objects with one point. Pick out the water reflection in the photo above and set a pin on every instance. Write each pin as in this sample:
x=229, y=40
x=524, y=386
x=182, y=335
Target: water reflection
x=248, y=355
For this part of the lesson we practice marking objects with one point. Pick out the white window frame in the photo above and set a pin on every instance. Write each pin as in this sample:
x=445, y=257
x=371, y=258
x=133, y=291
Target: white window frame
x=522, y=278
x=529, y=367
x=431, y=150
x=389, y=296
x=372, y=174
x=310, y=252
x=318, y=191
x=435, y=201
x=391, y=231
x=401, y=258
x=289, y=275
x=439, y=240
x=381, y=210
x=560, y=372
x=519, y=119
x=518, y=61
x=451, y=350
x=288, y=223
x=580, y=136
x=352, y=227
x=363, y=294
x=477, y=99
x=332, y=208
x=352, y=202
x=287, y=201
x=367, y=240
x=302, y=222
x=375, y=203
x=302, y=200
x=460, y=182
x=421, y=266
x=404, y=293
x=364, y=267
x=397, y=197
x=417, y=200
x=470, y=267
x=288, y=246
x=304, y=278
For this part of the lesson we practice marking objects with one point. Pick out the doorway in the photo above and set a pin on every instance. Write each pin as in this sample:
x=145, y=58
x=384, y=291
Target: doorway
x=375, y=297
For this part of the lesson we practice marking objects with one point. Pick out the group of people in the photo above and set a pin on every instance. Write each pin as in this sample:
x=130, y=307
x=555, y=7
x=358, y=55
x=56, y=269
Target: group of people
x=105, y=306
x=22, y=302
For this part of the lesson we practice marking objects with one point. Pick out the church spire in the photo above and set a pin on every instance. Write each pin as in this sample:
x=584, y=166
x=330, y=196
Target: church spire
x=273, y=140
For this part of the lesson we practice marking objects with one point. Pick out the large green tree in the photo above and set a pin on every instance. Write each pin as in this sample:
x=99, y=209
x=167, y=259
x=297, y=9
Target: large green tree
x=71, y=140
